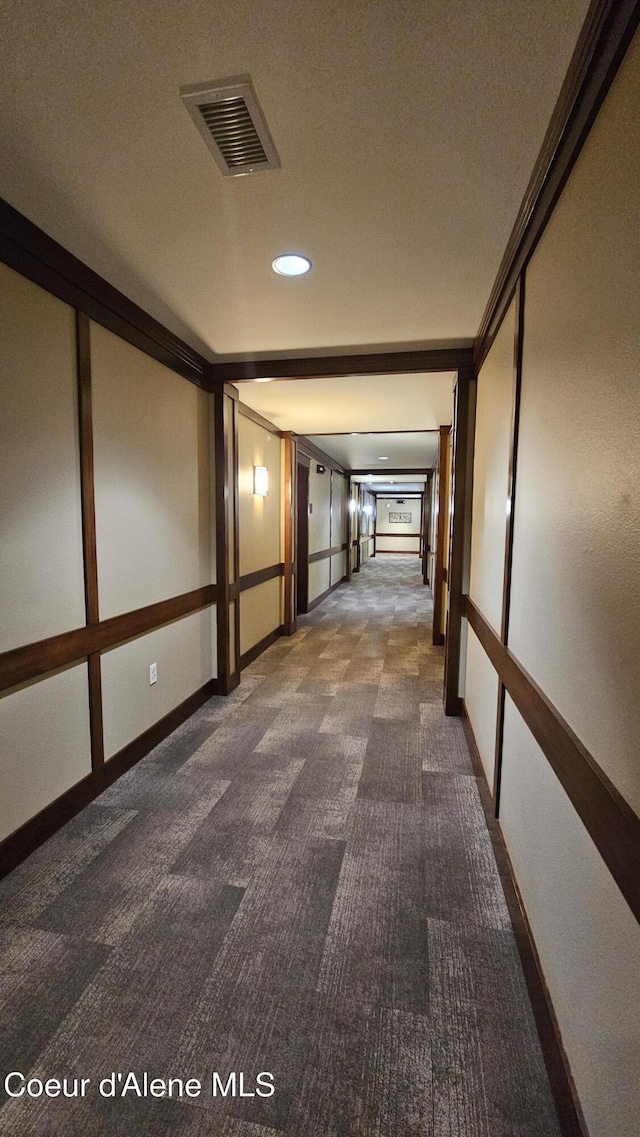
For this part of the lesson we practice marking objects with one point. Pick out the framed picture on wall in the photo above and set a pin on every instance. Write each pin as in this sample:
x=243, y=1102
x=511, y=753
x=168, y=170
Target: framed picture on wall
x=399, y=518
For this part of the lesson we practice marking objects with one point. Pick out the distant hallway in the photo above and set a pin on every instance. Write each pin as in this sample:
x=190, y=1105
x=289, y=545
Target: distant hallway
x=300, y=881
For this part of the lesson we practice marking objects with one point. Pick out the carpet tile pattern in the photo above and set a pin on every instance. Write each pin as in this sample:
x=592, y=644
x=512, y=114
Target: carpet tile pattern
x=298, y=881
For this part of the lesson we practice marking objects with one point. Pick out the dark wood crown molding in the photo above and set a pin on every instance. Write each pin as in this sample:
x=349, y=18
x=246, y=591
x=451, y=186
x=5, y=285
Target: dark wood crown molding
x=31, y=252
x=310, y=450
x=332, y=366
x=606, y=34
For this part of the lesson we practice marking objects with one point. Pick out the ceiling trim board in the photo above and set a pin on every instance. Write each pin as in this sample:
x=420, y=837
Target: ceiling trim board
x=335, y=366
x=318, y=455
x=345, y=433
x=379, y=472
x=248, y=412
x=30, y=251
x=606, y=34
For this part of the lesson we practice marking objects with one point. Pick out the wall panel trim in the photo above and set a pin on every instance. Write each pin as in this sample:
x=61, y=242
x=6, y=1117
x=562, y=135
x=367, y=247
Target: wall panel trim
x=253, y=579
x=562, y=1085
x=22, y=664
x=606, y=34
x=38, y=829
x=330, y=366
x=252, y=654
x=323, y=595
x=28, y=250
x=325, y=553
x=248, y=412
x=608, y=818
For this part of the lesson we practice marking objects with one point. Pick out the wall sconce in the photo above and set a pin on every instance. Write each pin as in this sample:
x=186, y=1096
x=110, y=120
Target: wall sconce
x=261, y=480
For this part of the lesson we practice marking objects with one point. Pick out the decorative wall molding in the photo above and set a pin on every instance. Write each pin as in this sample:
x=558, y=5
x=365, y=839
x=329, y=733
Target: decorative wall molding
x=330, y=366
x=606, y=34
x=608, y=818
x=28, y=250
x=562, y=1086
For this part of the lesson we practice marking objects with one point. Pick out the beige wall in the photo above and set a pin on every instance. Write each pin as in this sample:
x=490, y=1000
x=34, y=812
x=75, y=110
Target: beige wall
x=575, y=611
x=153, y=482
x=320, y=515
x=44, y=744
x=152, y=473
x=259, y=517
x=405, y=538
x=319, y=578
x=586, y=935
x=260, y=525
x=260, y=612
x=41, y=574
x=494, y=412
x=184, y=653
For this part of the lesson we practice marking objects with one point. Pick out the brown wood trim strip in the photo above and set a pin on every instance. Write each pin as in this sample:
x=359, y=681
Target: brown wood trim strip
x=608, y=818
x=460, y=540
x=290, y=521
x=235, y=500
x=437, y=636
x=221, y=499
x=28, y=250
x=20, y=844
x=249, y=656
x=323, y=595
x=562, y=1086
x=248, y=412
x=509, y=533
x=605, y=36
x=252, y=579
x=367, y=363
x=22, y=664
x=325, y=553
x=90, y=554
x=308, y=448
x=401, y=536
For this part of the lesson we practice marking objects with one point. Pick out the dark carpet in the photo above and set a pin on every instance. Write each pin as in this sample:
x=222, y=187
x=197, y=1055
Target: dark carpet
x=298, y=881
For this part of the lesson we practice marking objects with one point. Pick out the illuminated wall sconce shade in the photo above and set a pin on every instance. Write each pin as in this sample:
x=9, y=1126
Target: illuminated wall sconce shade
x=261, y=481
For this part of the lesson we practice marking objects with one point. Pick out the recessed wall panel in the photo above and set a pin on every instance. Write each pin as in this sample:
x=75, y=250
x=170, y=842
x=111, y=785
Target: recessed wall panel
x=184, y=652
x=259, y=612
x=41, y=569
x=319, y=577
x=152, y=478
x=575, y=613
x=320, y=509
x=481, y=701
x=587, y=938
x=45, y=745
x=494, y=413
x=259, y=517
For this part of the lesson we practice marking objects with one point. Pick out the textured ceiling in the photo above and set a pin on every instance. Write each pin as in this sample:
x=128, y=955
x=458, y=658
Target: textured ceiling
x=355, y=402
x=407, y=133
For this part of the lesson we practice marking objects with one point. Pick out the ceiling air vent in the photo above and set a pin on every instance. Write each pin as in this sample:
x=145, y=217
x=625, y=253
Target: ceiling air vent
x=230, y=120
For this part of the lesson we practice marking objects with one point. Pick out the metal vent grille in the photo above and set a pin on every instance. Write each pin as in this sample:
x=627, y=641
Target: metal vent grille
x=230, y=120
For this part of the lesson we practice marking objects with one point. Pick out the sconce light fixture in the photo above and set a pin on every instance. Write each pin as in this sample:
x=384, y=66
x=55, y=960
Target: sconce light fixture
x=261, y=480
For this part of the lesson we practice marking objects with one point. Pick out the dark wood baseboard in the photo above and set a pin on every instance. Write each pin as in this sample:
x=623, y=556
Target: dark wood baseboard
x=567, y=1103
x=323, y=595
x=248, y=657
x=437, y=639
x=35, y=832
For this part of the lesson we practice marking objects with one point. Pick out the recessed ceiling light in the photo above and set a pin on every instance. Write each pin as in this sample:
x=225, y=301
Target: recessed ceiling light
x=383, y=457
x=291, y=264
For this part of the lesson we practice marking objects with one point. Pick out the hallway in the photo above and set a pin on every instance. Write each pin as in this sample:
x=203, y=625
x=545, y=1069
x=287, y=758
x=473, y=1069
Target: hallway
x=298, y=880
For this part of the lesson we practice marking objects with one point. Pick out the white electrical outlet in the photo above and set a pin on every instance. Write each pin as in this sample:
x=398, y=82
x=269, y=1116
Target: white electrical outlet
x=153, y=673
